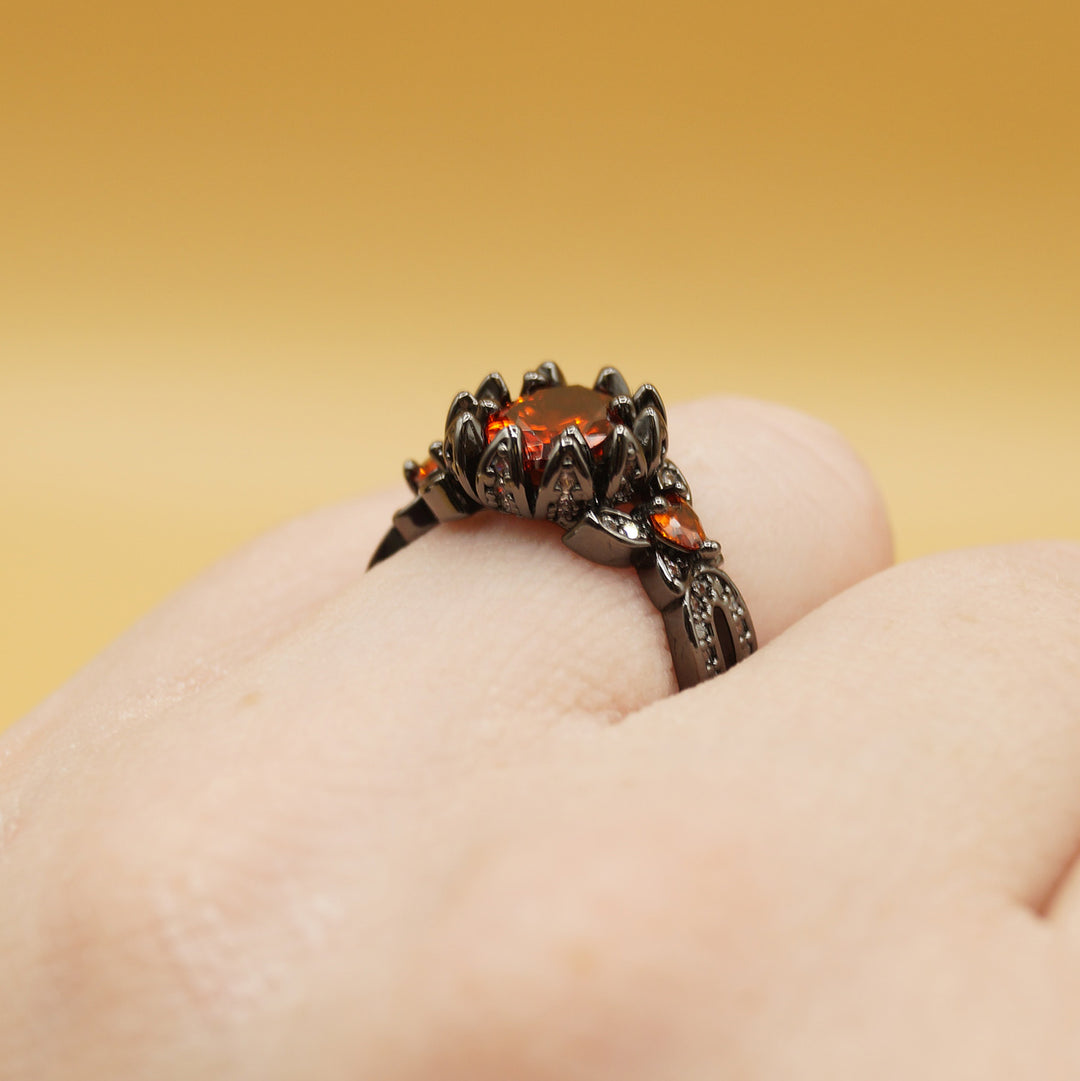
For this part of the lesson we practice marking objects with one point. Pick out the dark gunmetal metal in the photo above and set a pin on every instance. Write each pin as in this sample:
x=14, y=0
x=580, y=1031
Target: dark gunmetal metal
x=552, y=373
x=710, y=552
x=546, y=375
x=664, y=577
x=669, y=478
x=439, y=502
x=647, y=396
x=651, y=433
x=611, y=381
x=494, y=388
x=657, y=504
x=463, y=402
x=622, y=410
x=445, y=499
x=486, y=408
x=567, y=485
x=500, y=476
x=615, y=453
x=410, y=469
x=601, y=497
x=626, y=465
x=463, y=448
x=608, y=536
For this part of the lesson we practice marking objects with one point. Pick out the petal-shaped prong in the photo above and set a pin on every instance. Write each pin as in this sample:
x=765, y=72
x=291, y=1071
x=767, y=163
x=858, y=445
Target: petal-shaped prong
x=485, y=409
x=545, y=375
x=567, y=485
x=552, y=373
x=647, y=395
x=500, y=477
x=622, y=410
x=624, y=465
x=436, y=451
x=463, y=448
x=494, y=388
x=531, y=382
x=664, y=578
x=669, y=478
x=608, y=536
x=463, y=402
x=447, y=499
x=651, y=433
x=611, y=381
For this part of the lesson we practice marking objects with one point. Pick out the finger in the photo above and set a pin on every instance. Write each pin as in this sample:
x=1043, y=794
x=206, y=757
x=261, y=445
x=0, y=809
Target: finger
x=493, y=618
x=922, y=728
x=489, y=600
x=225, y=616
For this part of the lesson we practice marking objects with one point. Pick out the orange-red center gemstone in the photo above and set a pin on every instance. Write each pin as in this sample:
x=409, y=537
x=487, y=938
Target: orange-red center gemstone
x=678, y=524
x=545, y=414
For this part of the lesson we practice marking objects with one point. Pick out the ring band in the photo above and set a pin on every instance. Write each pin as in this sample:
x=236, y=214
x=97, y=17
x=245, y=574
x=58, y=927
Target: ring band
x=595, y=463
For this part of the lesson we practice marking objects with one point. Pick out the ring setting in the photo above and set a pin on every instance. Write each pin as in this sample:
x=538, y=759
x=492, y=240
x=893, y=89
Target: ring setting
x=594, y=462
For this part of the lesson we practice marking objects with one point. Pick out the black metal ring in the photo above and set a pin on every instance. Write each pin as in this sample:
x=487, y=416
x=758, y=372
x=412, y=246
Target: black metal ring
x=595, y=463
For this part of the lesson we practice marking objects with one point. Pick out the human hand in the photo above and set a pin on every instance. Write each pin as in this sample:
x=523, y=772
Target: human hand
x=448, y=820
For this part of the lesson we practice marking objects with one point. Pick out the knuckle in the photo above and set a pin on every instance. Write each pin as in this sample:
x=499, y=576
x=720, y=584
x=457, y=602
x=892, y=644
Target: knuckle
x=591, y=947
x=843, y=475
x=801, y=467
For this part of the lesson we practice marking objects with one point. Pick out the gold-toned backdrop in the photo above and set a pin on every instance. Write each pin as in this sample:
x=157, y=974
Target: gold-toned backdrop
x=233, y=236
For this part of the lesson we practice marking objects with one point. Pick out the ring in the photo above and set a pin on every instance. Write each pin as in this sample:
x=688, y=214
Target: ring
x=595, y=463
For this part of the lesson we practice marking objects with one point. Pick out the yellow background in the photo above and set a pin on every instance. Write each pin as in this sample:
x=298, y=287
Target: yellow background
x=234, y=235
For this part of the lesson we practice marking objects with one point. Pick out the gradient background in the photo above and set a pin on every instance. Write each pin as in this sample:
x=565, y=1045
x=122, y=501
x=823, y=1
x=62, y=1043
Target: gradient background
x=231, y=233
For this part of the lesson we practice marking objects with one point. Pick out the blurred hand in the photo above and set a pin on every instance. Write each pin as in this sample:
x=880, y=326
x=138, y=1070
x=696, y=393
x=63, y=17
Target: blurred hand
x=448, y=820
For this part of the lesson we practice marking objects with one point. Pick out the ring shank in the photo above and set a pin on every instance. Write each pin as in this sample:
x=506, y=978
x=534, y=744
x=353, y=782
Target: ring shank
x=421, y=515
x=707, y=621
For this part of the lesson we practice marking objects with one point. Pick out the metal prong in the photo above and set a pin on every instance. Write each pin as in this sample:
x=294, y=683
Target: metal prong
x=609, y=537
x=647, y=395
x=552, y=373
x=446, y=499
x=410, y=469
x=669, y=478
x=710, y=552
x=611, y=381
x=568, y=484
x=500, y=477
x=486, y=408
x=664, y=578
x=546, y=375
x=494, y=387
x=623, y=457
x=622, y=409
x=463, y=447
x=463, y=402
x=436, y=451
x=651, y=433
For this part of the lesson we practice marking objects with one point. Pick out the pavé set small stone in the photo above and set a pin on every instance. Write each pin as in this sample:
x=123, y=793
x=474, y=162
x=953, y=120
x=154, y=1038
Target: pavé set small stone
x=595, y=463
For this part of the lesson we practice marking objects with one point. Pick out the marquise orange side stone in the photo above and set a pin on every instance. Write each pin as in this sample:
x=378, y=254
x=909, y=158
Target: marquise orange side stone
x=678, y=524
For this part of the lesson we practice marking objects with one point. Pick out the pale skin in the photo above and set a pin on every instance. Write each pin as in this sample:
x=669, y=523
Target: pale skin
x=449, y=820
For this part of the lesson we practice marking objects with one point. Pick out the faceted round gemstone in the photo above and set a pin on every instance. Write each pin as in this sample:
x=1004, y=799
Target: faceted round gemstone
x=424, y=470
x=678, y=524
x=545, y=414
